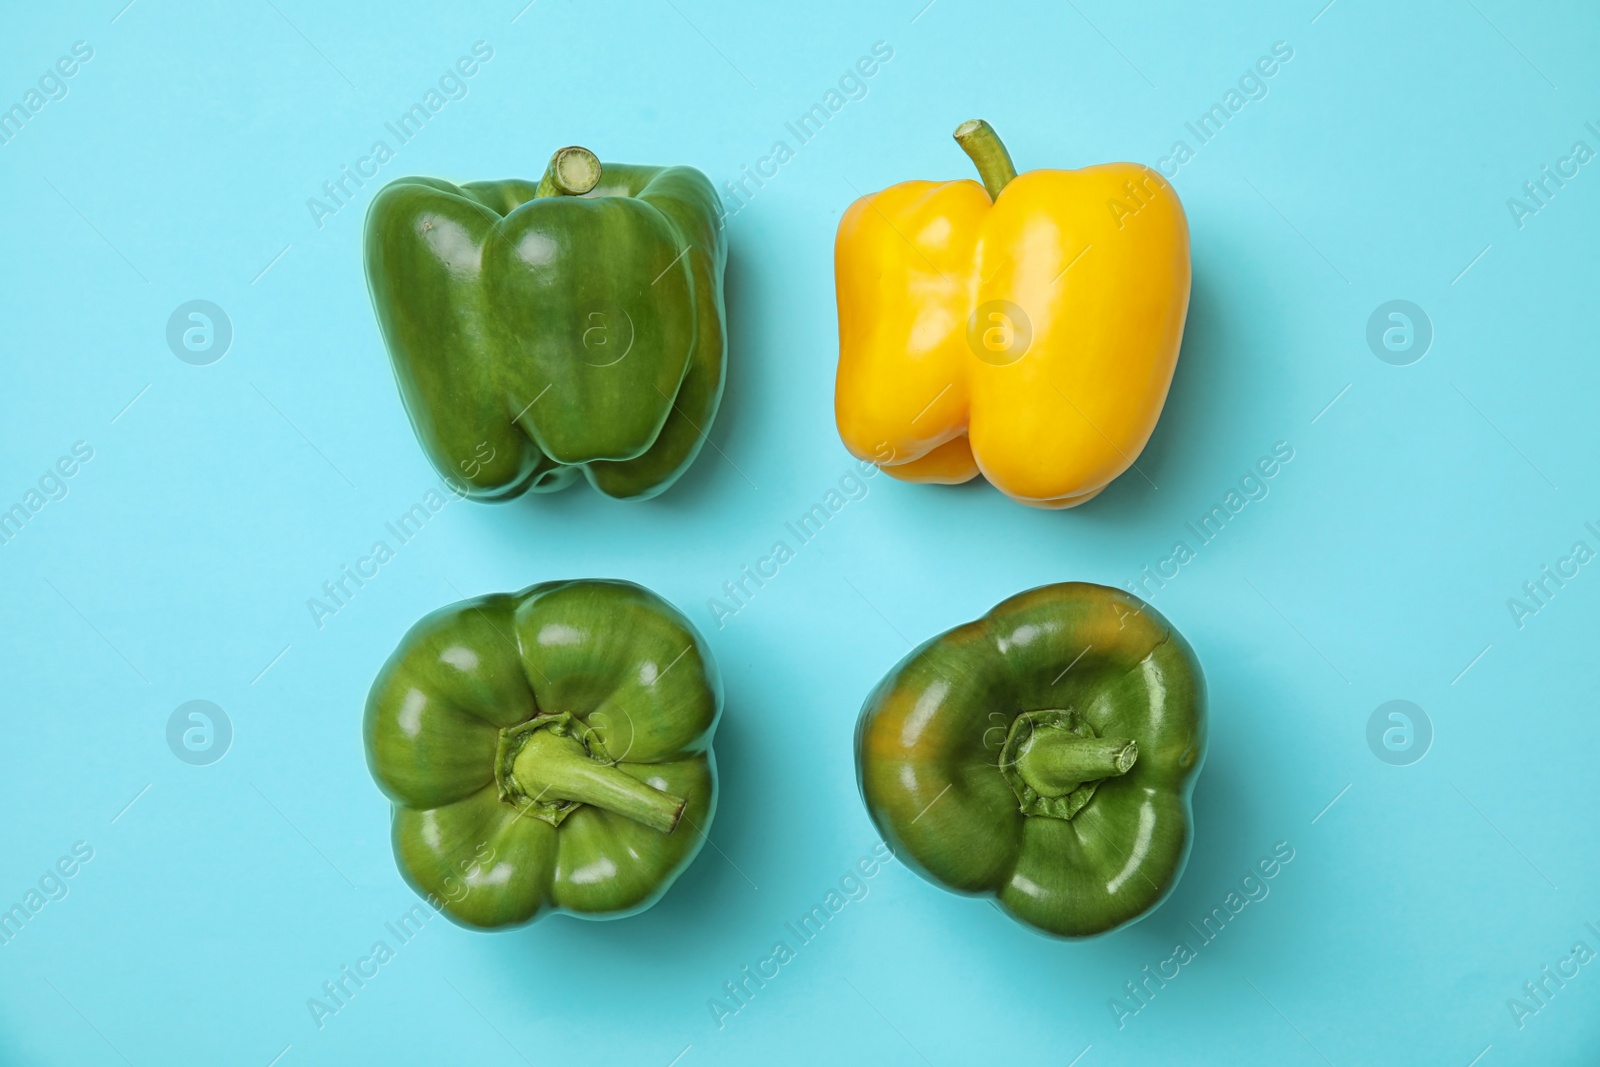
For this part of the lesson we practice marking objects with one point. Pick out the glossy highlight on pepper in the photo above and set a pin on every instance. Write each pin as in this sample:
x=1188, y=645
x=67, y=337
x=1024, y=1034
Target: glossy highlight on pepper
x=1043, y=755
x=548, y=750
x=1025, y=329
x=543, y=330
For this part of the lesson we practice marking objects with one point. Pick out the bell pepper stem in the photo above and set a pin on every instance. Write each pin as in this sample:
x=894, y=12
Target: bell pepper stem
x=552, y=766
x=978, y=140
x=573, y=171
x=1055, y=762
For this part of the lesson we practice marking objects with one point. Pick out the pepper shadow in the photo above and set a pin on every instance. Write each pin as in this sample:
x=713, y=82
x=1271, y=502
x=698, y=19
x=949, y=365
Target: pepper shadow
x=1235, y=822
x=1218, y=857
x=10, y=1051
x=1219, y=851
x=1192, y=404
x=656, y=942
x=1199, y=388
x=708, y=477
x=1199, y=385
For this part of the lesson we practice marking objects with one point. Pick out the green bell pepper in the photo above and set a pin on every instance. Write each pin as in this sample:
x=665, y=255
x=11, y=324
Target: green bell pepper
x=542, y=747
x=540, y=330
x=1045, y=755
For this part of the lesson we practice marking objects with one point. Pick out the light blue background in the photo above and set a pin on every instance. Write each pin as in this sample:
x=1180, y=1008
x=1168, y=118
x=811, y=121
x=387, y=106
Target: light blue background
x=1379, y=567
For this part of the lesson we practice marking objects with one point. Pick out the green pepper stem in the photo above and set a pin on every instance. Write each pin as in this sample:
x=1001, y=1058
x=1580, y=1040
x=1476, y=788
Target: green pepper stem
x=573, y=171
x=554, y=767
x=978, y=140
x=1055, y=762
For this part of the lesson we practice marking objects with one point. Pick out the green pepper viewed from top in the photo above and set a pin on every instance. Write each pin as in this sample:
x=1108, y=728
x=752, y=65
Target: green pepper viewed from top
x=542, y=329
x=548, y=750
x=1044, y=755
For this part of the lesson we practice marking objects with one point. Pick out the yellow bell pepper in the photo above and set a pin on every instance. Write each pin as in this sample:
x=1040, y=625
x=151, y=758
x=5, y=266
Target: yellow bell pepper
x=1025, y=329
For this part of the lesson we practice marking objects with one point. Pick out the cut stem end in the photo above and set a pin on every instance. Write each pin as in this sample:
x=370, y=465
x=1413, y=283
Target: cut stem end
x=979, y=141
x=573, y=171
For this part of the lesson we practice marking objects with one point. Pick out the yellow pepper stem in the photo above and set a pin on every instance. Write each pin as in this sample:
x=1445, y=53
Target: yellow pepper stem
x=978, y=140
x=573, y=171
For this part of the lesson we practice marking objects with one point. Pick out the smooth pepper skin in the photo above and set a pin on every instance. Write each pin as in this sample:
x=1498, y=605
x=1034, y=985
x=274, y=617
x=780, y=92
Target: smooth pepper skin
x=936, y=757
x=631, y=689
x=1029, y=337
x=536, y=337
